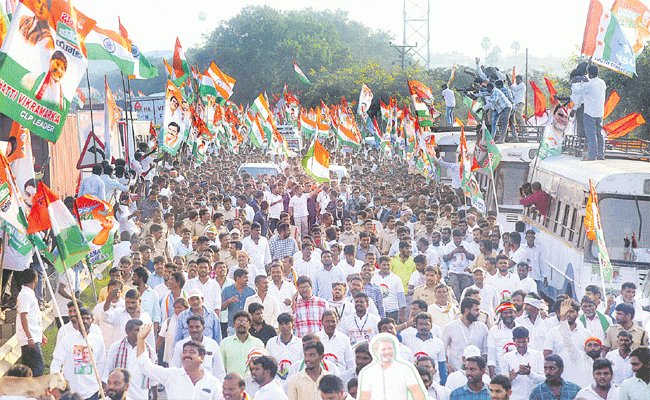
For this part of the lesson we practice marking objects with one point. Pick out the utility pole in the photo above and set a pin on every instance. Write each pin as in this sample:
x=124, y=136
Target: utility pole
x=403, y=50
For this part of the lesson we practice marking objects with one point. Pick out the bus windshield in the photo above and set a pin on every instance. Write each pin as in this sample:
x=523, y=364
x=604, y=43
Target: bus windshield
x=625, y=220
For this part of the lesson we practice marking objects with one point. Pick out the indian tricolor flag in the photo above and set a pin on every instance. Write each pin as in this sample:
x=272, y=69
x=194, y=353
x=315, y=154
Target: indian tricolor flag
x=49, y=212
x=301, y=75
x=317, y=162
x=255, y=131
x=104, y=44
x=308, y=124
x=215, y=83
x=180, y=68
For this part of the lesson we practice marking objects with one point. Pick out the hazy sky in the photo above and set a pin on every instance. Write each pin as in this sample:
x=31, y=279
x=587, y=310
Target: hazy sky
x=548, y=27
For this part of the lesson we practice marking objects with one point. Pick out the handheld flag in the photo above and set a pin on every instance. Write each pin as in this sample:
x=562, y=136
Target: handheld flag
x=605, y=42
x=422, y=101
x=98, y=225
x=112, y=114
x=49, y=212
x=552, y=93
x=316, y=162
x=486, y=153
x=365, y=99
x=301, y=75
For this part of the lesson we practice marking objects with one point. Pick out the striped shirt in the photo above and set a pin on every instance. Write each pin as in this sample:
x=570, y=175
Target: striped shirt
x=307, y=314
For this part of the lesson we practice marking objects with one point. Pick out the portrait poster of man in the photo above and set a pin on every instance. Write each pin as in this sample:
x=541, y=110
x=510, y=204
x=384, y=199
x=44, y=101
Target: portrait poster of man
x=173, y=124
x=388, y=376
x=43, y=59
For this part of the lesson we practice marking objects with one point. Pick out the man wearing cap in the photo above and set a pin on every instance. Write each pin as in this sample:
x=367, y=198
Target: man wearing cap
x=212, y=327
x=524, y=366
x=499, y=335
x=533, y=321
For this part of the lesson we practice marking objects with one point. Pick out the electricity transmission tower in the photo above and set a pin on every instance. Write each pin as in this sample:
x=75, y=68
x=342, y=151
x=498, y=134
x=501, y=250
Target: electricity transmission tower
x=417, y=33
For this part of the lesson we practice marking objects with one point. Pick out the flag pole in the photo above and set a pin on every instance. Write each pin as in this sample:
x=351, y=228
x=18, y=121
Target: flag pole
x=49, y=287
x=92, y=122
x=128, y=83
x=82, y=329
x=494, y=185
x=2, y=264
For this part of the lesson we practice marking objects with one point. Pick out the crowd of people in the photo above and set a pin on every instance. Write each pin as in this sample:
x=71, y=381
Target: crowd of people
x=231, y=286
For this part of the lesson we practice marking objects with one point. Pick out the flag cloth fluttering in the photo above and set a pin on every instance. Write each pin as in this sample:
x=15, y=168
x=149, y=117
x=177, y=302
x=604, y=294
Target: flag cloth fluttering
x=611, y=103
x=422, y=101
x=316, y=162
x=539, y=98
x=486, y=153
x=301, y=75
x=594, y=231
x=605, y=42
x=49, y=212
x=623, y=126
x=180, y=68
x=552, y=93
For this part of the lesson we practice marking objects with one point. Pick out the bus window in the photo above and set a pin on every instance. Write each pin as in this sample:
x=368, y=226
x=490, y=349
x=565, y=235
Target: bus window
x=622, y=218
x=558, y=209
x=565, y=219
x=572, y=229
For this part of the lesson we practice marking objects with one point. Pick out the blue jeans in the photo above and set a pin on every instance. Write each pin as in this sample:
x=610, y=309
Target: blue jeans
x=594, y=136
x=449, y=115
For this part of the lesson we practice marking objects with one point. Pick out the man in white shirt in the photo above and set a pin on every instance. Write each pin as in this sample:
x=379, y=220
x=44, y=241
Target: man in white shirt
x=463, y=332
x=118, y=316
x=392, y=290
x=450, y=104
x=592, y=95
x=72, y=356
x=620, y=358
x=526, y=284
x=518, y=89
x=263, y=372
x=29, y=325
x=281, y=289
x=532, y=320
x=286, y=348
x=422, y=342
x=556, y=339
x=212, y=361
x=191, y=381
x=338, y=348
x=298, y=209
x=499, y=335
x=458, y=259
x=489, y=297
x=601, y=385
x=349, y=264
x=122, y=354
x=308, y=264
x=257, y=248
x=207, y=286
x=524, y=366
x=276, y=205
x=504, y=281
x=262, y=296
x=361, y=325
x=532, y=252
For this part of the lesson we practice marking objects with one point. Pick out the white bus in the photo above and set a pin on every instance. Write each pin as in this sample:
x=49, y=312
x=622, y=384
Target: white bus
x=623, y=187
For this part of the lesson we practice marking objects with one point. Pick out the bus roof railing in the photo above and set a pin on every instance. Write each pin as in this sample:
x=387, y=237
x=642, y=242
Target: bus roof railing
x=632, y=149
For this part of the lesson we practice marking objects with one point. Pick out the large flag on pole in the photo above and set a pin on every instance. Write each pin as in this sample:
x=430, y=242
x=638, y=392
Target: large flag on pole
x=594, y=231
x=539, y=98
x=10, y=209
x=142, y=68
x=180, y=67
x=104, y=44
x=316, y=162
x=49, y=212
x=43, y=61
x=216, y=83
x=634, y=19
x=301, y=75
x=606, y=43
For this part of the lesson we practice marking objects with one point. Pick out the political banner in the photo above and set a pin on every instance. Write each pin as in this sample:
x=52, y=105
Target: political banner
x=42, y=61
x=173, y=125
x=99, y=227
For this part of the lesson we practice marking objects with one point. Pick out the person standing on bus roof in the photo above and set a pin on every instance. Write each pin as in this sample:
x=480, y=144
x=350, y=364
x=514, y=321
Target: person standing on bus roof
x=592, y=95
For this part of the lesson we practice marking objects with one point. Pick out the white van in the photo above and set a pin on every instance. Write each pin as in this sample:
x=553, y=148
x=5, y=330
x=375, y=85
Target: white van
x=256, y=169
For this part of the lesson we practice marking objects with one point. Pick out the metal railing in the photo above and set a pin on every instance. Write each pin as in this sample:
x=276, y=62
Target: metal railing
x=614, y=148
